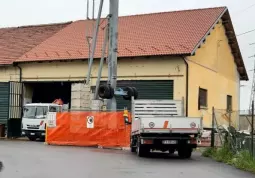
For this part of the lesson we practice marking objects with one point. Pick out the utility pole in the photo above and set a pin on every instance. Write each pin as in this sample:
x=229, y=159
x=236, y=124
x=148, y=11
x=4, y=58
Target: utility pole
x=252, y=130
x=113, y=51
x=252, y=97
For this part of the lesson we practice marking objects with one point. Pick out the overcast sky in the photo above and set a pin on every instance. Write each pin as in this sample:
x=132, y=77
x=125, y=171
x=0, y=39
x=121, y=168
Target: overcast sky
x=28, y=12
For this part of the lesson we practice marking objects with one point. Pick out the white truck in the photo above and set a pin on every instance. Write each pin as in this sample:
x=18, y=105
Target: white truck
x=161, y=125
x=34, y=119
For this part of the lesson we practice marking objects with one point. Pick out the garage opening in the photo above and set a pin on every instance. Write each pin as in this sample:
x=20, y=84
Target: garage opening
x=47, y=92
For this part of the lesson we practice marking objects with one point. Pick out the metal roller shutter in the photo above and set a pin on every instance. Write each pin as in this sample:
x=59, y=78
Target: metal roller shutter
x=4, y=102
x=147, y=89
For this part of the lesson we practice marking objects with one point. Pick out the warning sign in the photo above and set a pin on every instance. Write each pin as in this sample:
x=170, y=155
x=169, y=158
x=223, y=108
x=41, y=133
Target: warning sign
x=51, y=119
x=90, y=122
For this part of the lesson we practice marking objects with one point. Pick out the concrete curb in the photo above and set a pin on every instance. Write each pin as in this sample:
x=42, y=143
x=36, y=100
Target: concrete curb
x=115, y=148
x=13, y=139
x=99, y=147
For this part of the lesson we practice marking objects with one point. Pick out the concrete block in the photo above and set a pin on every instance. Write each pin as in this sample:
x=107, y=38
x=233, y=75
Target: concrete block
x=80, y=103
x=80, y=87
x=81, y=97
x=96, y=105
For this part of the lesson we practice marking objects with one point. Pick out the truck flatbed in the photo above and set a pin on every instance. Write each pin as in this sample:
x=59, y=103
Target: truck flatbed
x=162, y=125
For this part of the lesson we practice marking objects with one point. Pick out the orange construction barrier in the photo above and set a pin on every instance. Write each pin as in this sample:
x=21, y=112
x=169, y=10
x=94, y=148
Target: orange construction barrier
x=106, y=129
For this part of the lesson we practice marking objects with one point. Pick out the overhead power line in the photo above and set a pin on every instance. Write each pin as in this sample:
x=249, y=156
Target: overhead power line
x=241, y=11
x=245, y=32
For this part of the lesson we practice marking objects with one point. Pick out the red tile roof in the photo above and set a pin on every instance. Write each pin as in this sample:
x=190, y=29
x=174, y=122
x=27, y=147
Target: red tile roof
x=167, y=33
x=14, y=42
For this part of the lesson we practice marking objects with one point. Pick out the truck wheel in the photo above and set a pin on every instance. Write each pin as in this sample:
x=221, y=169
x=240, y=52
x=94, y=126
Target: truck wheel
x=1, y=166
x=132, y=143
x=142, y=152
x=32, y=138
x=185, y=153
x=171, y=151
x=133, y=149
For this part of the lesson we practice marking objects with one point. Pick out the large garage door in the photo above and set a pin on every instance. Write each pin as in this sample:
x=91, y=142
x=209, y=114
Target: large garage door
x=4, y=102
x=147, y=89
x=11, y=107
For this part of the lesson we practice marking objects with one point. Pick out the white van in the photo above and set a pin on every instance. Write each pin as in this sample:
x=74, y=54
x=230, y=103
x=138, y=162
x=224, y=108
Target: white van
x=34, y=119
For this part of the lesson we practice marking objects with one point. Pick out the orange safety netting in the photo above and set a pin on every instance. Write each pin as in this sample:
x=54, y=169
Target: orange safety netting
x=109, y=130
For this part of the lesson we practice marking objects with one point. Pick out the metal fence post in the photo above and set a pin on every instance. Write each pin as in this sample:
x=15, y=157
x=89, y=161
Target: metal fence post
x=212, y=132
x=252, y=129
x=229, y=116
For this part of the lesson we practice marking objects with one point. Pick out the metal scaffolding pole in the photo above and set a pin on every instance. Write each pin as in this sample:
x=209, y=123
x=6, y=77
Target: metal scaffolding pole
x=113, y=50
x=94, y=41
x=101, y=61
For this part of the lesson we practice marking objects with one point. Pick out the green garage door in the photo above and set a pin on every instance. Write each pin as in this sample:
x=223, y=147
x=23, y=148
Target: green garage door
x=4, y=102
x=147, y=89
x=11, y=107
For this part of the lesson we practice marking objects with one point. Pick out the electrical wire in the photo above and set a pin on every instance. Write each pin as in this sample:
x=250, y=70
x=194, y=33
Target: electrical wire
x=245, y=32
x=244, y=10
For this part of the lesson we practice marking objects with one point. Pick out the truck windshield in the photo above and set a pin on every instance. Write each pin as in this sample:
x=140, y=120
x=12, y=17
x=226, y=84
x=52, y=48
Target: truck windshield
x=35, y=112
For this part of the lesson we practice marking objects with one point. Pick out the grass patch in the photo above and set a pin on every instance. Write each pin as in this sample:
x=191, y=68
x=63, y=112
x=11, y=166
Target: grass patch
x=242, y=160
x=209, y=152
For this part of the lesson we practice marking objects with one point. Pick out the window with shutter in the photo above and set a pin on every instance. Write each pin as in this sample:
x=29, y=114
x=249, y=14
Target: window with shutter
x=229, y=103
x=202, y=98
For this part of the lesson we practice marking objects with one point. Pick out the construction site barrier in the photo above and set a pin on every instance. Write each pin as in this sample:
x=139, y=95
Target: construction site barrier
x=106, y=129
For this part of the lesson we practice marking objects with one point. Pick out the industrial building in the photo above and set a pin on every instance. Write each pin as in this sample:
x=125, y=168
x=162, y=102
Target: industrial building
x=191, y=55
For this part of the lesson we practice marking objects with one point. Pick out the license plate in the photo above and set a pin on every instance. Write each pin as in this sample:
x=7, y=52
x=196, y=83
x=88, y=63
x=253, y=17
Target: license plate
x=32, y=133
x=169, y=142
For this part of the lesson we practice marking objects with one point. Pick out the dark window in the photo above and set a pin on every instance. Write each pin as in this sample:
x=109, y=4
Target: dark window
x=229, y=103
x=202, y=98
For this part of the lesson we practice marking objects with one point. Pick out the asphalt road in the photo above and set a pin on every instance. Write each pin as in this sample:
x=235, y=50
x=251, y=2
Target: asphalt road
x=36, y=160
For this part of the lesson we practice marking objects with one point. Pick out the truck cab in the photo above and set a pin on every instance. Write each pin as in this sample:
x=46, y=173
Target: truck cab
x=34, y=119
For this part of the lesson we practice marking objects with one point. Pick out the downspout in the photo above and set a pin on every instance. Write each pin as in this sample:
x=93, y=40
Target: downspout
x=187, y=85
x=20, y=72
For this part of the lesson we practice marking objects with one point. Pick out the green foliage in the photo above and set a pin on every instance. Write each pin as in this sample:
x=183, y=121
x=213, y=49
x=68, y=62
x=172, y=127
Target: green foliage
x=209, y=152
x=224, y=154
x=242, y=160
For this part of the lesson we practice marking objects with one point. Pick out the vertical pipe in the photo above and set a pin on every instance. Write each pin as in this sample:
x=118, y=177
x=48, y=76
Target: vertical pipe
x=213, y=124
x=187, y=86
x=114, y=36
x=229, y=115
x=252, y=129
x=94, y=41
x=101, y=63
